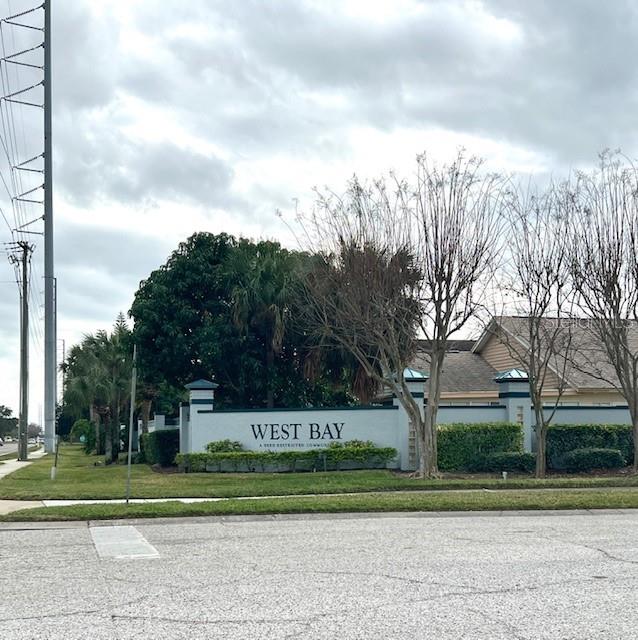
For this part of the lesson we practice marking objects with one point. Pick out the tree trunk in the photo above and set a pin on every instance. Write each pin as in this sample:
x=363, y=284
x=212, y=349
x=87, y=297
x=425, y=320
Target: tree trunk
x=634, y=422
x=94, y=417
x=108, y=442
x=107, y=422
x=270, y=366
x=115, y=435
x=541, y=442
x=429, y=464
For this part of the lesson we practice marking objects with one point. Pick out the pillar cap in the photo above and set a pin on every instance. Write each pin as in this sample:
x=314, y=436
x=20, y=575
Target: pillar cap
x=414, y=375
x=201, y=385
x=511, y=375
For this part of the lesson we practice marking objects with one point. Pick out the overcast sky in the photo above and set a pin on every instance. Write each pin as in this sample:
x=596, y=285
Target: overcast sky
x=172, y=117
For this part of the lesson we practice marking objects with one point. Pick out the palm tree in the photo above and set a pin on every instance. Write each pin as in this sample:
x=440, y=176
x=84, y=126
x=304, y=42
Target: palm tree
x=98, y=373
x=82, y=390
x=260, y=299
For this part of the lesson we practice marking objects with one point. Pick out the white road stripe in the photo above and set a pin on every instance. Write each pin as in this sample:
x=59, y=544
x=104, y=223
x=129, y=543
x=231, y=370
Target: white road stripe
x=121, y=543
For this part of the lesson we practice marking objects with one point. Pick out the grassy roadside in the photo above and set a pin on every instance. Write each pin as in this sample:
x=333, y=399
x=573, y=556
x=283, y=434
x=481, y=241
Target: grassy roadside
x=380, y=502
x=14, y=455
x=79, y=478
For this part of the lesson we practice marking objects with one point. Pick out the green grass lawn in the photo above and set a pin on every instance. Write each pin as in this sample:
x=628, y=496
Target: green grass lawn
x=378, y=502
x=78, y=477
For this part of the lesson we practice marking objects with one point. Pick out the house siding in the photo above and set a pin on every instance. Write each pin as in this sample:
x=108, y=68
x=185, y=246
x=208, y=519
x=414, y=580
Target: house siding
x=497, y=354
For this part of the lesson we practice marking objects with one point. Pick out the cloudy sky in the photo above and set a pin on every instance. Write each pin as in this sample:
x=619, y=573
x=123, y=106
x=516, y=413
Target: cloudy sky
x=172, y=117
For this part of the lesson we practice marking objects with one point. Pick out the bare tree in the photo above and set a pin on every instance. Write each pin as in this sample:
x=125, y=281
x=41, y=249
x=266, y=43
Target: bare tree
x=402, y=258
x=363, y=286
x=456, y=211
x=605, y=271
x=536, y=281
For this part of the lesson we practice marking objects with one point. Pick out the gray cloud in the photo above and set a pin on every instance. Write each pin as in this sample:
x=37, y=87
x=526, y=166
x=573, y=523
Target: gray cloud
x=109, y=166
x=289, y=80
x=84, y=68
x=99, y=268
x=565, y=87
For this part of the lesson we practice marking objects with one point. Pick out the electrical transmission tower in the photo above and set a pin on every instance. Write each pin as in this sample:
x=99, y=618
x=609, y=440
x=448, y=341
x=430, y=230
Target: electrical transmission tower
x=25, y=85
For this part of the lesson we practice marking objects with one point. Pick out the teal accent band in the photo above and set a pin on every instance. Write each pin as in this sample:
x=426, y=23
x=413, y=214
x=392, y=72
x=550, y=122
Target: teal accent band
x=369, y=408
x=514, y=394
x=202, y=401
x=416, y=394
x=471, y=406
x=586, y=407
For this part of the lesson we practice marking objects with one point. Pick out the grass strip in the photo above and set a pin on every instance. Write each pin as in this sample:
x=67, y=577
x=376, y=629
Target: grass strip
x=78, y=477
x=457, y=501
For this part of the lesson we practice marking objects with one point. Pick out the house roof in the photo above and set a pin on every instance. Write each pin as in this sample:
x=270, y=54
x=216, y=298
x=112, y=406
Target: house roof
x=588, y=366
x=452, y=345
x=463, y=371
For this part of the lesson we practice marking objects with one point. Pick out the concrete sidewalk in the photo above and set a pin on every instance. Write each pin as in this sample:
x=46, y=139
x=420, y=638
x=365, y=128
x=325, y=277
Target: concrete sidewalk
x=9, y=466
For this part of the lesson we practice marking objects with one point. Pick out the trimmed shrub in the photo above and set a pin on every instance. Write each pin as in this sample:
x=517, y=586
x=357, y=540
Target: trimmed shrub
x=160, y=447
x=505, y=461
x=594, y=458
x=563, y=438
x=460, y=444
x=223, y=446
x=358, y=455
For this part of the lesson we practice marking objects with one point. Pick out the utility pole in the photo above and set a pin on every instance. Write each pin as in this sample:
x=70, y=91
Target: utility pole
x=50, y=342
x=130, y=424
x=24, y=259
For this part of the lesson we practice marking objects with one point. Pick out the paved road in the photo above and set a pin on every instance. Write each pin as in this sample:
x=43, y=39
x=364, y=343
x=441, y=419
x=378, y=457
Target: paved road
x=475, y=577
x=8, y=447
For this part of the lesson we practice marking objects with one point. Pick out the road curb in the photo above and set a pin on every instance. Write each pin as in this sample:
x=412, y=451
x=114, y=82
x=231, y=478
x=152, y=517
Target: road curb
x=292, y=517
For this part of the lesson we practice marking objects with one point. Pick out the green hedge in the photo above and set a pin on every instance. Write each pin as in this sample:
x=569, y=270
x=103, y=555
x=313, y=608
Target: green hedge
x=354, y=454
x=461, y=444
x=160, y=447
x=594, y=458
x=505, y=461
x=223, y=446
x=563, y=438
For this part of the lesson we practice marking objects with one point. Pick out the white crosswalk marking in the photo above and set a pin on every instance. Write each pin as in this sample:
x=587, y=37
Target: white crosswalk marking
x=121, y=543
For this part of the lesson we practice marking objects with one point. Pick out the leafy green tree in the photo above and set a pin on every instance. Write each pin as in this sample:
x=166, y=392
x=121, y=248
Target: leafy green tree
x=226, y=309
x=182, y=317
x=8, y=423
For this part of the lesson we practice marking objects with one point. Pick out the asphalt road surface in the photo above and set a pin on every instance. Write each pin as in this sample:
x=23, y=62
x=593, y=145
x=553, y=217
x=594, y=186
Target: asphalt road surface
x=476, y=577
x=8, y=447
